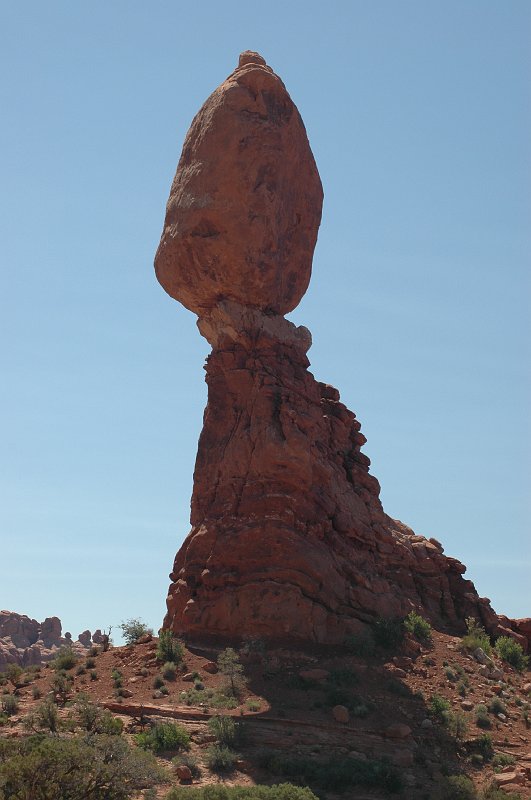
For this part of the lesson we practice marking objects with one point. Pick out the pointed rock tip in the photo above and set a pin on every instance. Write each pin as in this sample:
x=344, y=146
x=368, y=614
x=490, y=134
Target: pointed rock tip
x=250, y=57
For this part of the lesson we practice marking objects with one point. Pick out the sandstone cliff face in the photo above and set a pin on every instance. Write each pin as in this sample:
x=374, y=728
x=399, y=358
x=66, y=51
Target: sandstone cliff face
x=289, y=538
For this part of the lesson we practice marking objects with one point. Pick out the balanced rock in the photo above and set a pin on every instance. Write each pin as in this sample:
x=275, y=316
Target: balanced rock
x=245, y=204
x=289, y=539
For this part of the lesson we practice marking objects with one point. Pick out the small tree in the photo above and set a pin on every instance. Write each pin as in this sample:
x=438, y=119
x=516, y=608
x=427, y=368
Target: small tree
x=230, y=666
x=13, y=674
x=133, y=630
x=169, y=648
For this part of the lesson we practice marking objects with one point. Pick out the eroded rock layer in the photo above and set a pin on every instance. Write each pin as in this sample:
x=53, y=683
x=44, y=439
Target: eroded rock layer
x=289, y=538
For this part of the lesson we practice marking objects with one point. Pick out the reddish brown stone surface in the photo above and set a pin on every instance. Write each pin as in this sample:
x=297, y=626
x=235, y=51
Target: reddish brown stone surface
x=289, y=538
x=245, y=204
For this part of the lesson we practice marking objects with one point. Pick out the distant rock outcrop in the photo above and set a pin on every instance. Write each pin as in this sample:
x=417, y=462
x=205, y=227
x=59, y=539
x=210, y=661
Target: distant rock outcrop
x=289, y=538
x=25, y=641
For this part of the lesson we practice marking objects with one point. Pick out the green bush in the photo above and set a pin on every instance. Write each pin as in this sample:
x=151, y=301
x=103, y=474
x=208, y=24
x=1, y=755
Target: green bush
x=333, y=774
x=511, y=652
x=169, y=648
x=284, y=791
x=225, y=730
x=190, y=761
x=483, y=746
x=230, y=666
x=36, y=693
x=9, y=704
x=65, y=659
x=496, y=706
x=169, y=671
x=456, y=724
x=343, y=677
x=158, y=682
x=133, y=630
x=220, y=758
x=361, y=644
x=164, y=736
x=438, y=706
x=100, y=768
x=482, y=716
x=503, y=760
x=388, y=633
x=90, y=663
x=96, y=720
x=45, y=717
x=4, y=719
x=457, y=787
x=493, y=792
x=476, y=636
x=419, y=627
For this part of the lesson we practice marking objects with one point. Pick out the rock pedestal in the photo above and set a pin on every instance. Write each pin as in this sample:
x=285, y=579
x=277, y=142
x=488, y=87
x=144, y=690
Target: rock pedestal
x=289, y=539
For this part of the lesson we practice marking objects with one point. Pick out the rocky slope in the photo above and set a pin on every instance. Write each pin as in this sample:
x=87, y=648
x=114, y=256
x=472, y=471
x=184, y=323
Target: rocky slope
x=303, y=710
x=289, y=538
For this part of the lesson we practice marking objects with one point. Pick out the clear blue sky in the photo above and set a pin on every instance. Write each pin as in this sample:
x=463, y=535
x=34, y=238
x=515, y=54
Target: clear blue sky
x=418, y=113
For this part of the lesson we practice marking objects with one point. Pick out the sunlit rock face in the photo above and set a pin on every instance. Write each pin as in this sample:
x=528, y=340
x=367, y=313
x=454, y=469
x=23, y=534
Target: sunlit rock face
x=245, y=204
x=289, y=539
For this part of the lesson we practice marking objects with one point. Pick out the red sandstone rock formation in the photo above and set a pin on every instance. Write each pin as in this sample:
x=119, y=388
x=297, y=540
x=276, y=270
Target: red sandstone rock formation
x=289, y=538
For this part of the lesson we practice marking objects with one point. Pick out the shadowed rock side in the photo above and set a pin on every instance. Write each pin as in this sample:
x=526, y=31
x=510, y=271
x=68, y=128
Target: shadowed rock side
x=289, y=538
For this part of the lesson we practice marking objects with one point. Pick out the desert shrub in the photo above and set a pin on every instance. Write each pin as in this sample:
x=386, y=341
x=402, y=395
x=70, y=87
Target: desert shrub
x=333, y=774
x=503, y=760
x=284, y=791
x=254, y=705
x=13, y=674
x=169, y=648
x=93, y=652
x=419, y=627
x=457, y=787
x=226, y=731
x=4, y=719
x=438, y=707
x=361, y=644
x=450, y=674
x=158, y=682
x=190, y=761
x=36, y=693
x=496, y=706
x=65, y=659
x=90, y=663
x=456, y=724
x=230, y=666
x=511, y=652
x=133, y=629
x=483, y=746
x=9, y=704
x=220, y=758
x=209, y=698
x=164, y=736
x=102, y=768
x=93, y=675
x=493, y=792
x=388, y=633
x=169, y=671
x=45, y=717
x=475, y=637
x=96, y=720
x=482, y=716
x=61, y=686
x=343, y=677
